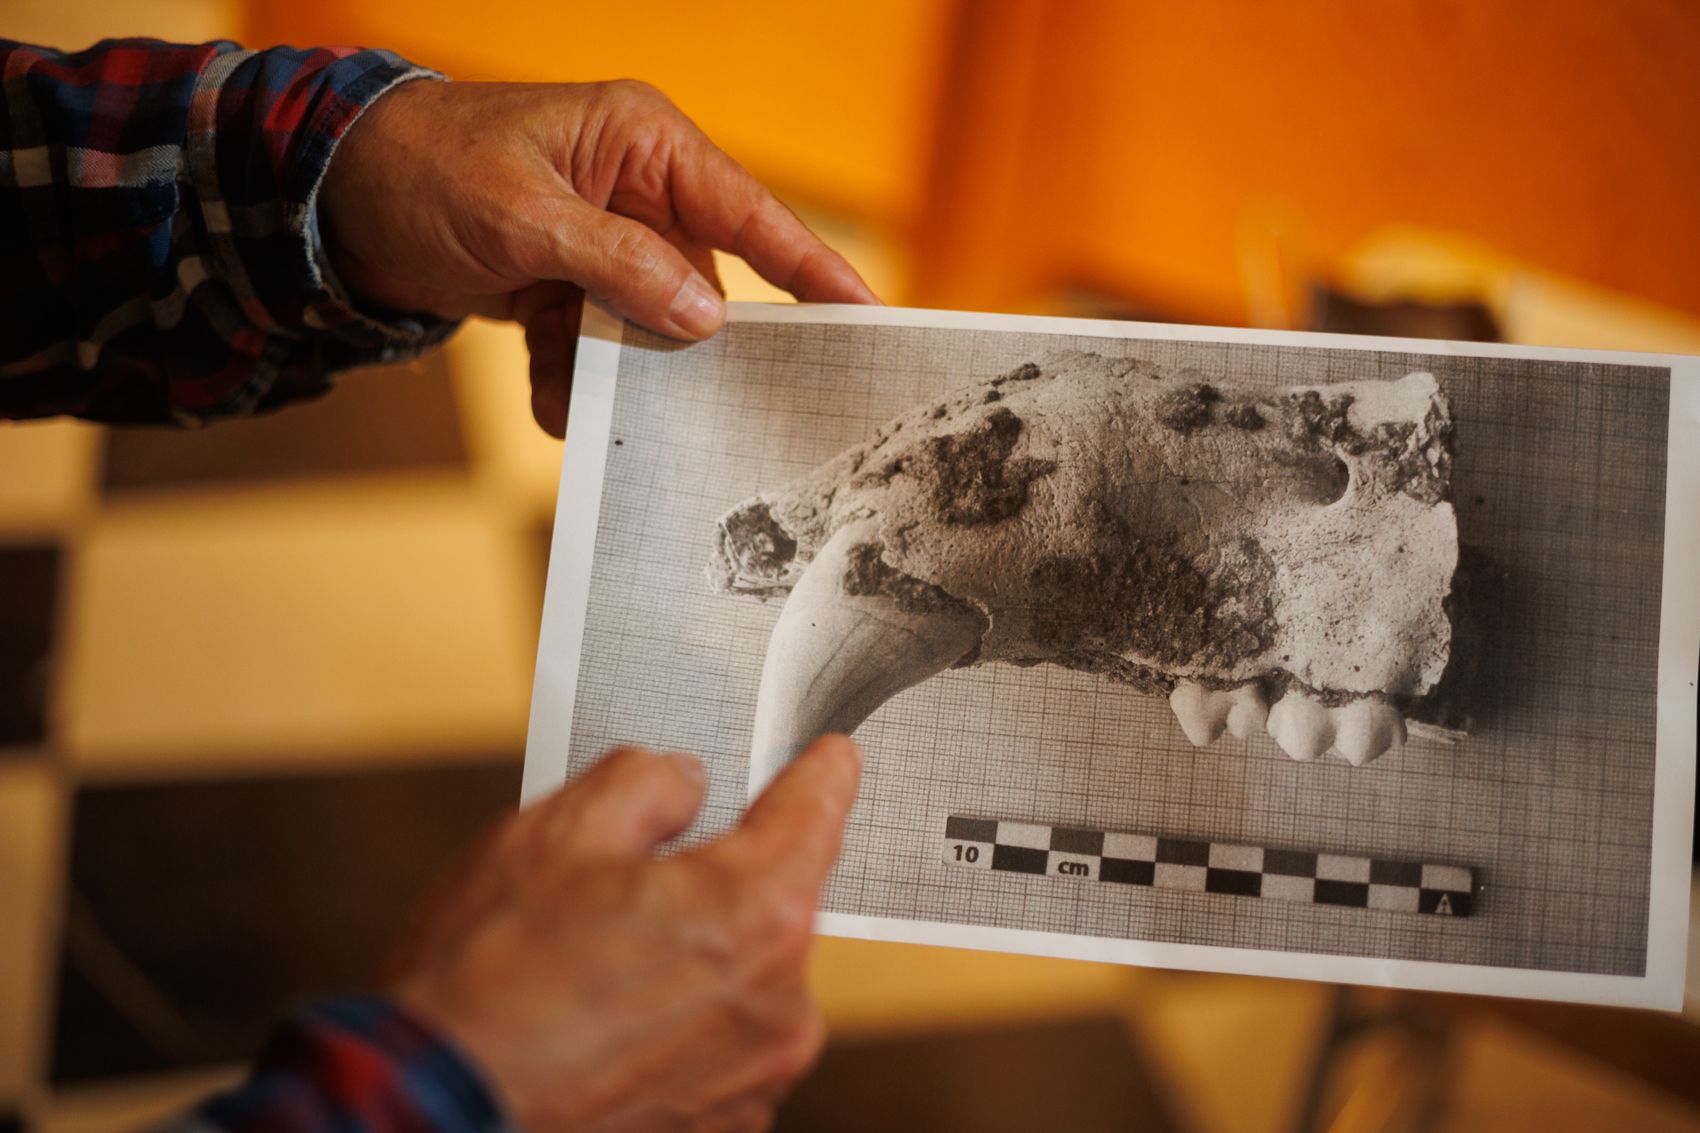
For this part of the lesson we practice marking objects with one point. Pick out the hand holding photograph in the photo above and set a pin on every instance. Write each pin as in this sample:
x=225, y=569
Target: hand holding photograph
x=1357, y=628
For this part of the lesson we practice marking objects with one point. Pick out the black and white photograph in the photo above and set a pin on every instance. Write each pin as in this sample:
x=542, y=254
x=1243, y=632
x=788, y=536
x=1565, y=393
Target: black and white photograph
x=1277, y=653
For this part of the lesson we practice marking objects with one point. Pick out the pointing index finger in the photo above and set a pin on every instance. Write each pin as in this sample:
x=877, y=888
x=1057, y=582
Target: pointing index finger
x=797, y=823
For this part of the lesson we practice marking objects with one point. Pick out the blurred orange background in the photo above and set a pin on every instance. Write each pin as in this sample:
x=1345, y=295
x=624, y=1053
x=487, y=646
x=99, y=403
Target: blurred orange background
x=1206, y=161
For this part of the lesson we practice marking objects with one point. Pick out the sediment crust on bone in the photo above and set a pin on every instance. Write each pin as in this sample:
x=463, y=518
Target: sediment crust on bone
x=1159, y=528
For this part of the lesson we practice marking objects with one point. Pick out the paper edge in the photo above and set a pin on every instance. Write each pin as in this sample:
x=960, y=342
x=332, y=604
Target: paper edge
x=572, y=550
x=852, y=314
x=1670, y=884
x=1419, y=975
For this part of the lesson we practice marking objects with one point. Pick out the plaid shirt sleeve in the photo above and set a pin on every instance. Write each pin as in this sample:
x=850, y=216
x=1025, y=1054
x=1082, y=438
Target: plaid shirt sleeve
x=352, y=1066
x=160, y=257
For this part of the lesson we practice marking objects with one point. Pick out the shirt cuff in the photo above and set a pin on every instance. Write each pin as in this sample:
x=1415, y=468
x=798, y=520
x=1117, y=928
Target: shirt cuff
x=330, y=307
x=371, y=1061
x=263, y=129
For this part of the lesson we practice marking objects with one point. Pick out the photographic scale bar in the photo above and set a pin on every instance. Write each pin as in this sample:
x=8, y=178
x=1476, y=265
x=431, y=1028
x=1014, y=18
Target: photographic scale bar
x=1209, y=867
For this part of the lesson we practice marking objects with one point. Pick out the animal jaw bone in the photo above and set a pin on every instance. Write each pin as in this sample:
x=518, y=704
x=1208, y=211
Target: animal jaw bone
x=1276, y=560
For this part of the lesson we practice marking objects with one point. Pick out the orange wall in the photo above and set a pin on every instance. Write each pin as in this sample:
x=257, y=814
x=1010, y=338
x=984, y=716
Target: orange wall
x=1565, y=133
x=831, y=102
x=1172, y=147
x=1177, y=154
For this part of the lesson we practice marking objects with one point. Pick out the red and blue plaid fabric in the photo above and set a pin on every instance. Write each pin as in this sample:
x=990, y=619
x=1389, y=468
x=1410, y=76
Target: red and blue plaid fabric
x=160, y=256
x=352, y=1066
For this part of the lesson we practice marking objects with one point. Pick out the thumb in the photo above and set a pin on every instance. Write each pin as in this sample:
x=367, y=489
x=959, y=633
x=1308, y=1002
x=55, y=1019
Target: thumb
x=631, y=267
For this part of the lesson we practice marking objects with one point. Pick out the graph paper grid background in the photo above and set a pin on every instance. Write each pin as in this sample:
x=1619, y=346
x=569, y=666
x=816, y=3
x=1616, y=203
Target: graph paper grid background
x=1559, y=480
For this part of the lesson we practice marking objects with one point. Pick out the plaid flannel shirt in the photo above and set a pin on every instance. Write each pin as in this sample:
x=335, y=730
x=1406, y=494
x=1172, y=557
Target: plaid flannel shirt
x=352, y=1066
x=160, y=257
x=160, y=260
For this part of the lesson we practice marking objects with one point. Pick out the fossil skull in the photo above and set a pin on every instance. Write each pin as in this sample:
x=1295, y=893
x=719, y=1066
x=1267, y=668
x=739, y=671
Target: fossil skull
x=1265, y=559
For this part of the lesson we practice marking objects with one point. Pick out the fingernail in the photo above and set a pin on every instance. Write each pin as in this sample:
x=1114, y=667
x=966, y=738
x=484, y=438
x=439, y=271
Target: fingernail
x=689, y=765
x=697, y=309
x=845, y=744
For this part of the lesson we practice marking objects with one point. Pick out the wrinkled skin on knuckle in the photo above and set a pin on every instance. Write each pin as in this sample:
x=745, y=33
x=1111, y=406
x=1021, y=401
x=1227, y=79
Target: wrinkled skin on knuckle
x=642, y=188
x=627, y=108
x=766, y=981
x=523, y=236
x=633, y=97
x=633, y=254
x=637, y=137
x=749, y=939
x=771, y=911
x=696, y=901
x=772, y=919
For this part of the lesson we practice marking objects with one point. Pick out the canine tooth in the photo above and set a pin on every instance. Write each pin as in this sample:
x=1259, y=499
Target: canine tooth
x=1202, y=713
x=1301, y=725
x=1248, y=712
x=1365, y=729
x=835, y=657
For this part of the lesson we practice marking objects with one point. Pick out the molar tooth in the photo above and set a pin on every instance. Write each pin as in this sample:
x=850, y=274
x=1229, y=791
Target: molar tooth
x=1202, y=713
x=1247, y=711
x=1364, y=729
x=1301, y=725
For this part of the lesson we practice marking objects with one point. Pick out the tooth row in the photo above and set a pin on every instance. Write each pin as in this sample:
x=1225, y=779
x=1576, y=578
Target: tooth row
x=1359, y=730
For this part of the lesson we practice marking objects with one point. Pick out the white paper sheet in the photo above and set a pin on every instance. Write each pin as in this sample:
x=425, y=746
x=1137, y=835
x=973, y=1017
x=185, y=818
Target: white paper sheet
x=1575, y=809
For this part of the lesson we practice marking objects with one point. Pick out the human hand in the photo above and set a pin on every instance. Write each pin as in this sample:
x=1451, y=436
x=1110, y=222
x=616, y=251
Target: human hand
x=510, y=200
x=603, y=988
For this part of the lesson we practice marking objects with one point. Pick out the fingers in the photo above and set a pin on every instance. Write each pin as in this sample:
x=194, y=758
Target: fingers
x=796, y=826
x=550, y=393
x=550, y=313
x=551, y=338
x=724, y=207
x=632, y=267
x=629, y=803
x=701, y=256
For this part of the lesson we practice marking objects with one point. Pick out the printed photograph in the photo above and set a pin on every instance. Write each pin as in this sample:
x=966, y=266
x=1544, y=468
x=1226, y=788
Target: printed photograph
x=1272, y=647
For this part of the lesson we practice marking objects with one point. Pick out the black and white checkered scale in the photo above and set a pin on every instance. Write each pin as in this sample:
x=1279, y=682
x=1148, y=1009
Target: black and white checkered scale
x=1187, y=864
